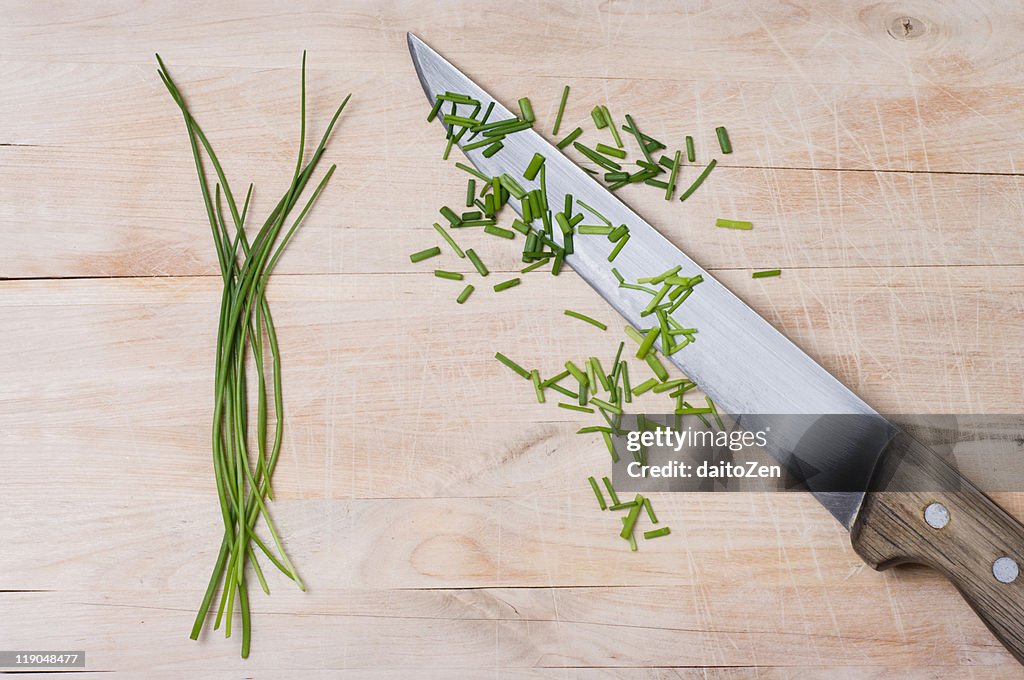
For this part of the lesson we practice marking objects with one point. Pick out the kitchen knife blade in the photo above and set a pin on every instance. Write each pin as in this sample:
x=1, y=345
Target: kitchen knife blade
x=751, y=370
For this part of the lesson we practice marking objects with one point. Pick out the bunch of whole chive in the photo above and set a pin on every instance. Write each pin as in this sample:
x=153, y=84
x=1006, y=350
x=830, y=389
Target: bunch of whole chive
x=246, y=328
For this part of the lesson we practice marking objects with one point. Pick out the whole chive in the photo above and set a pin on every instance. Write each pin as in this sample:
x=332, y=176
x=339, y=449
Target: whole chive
x=505, y=285
x=593, y=482
x=477, y=262
x=537, y=389
x=655, y=364
x=424, y=254
x=610, y=151
x=464, y=295
x=630, y=520
x=574, y=407
x=598, y=115
x=644, y=386
x=650, y=512
x=672, y=176
x=493, y=149
x=611, y=125
x=527, y=109
x=618, y=248
x=734, y=224
x=470, y=192
x=513, y=365
x=495, y=230
x=723, y=140
x=611, y=491
x=453, y=276
x=655, y=533
x=691, y=155
x=569, y=138
x=534, y=167
x=561, y=109
x=447, y=237
x=450, y=215
x=700, y=179
x=766, y=273
x=609, y=444
x=584, y=317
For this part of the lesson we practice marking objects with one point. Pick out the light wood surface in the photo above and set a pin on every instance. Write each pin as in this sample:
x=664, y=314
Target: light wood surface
x=440, y=517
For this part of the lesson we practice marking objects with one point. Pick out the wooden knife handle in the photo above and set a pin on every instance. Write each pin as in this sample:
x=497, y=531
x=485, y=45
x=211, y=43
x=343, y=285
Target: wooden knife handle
x=957, y=530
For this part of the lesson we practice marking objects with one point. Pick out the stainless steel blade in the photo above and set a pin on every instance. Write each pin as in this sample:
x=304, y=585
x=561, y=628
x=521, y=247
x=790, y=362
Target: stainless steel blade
x=746, y=366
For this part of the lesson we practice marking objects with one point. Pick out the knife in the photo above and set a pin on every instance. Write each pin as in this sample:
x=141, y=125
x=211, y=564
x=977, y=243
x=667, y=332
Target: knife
x=898, y=499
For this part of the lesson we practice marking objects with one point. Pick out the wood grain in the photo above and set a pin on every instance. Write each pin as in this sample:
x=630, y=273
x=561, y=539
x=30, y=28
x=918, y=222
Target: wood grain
x=440, y=516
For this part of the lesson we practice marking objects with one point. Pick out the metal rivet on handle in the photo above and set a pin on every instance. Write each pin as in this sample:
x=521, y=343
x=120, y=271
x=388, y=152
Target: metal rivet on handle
x=936, y=515
x=1005, y=570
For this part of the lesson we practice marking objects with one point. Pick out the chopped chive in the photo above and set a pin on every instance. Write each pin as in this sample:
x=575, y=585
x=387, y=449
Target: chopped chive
x=470, y=215
x=644, y=386
x=601, y=403
x=692, y=411
x=569, y=138
x=464, y=295
x=481, y=268
x=450, y=215
x=610, y=151
x=447, y=237
x=537, y=389
x=435, y=109
x=526, y=109
x=630, y=519
x=584, y=317
x=554, y=379
x=734, y=224
x=631, y=539
x=609, y=444
x=495, y=230
x=535, y=265
x=470, y=192
x=611, y=491
x=623, y=505
x=723, y=139
x=513, y=365
x=424, y=254
x=460, y=121
x=601, y=376
x=562, y=390
x=521, y=227
x=655, y=364
x=633, y=333
x=672, y=176
x=454, y=276
x=631, y=127
x=617, y=233
x=714, y=412
x=618, y=248
x=597, y=158
x=700, y=179
x=593, y=428
x=505, y=285
x=574, y=407
x=766, y=273
x=656, y=183
x=512, y=186
x=655, y=533
x=534, y=167
x=594, y=229
x=493, y=149
x=611, y=125
x=593, y=482
x=473, y=171
x=691, y=155
x=576, y=373
x=561, y=109
x=650, y=511
x=600, y=121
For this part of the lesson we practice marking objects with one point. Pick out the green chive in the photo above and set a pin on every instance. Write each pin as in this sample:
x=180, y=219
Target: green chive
x=768, y=272
x=534, y=167
x=627, y=505
x=650, y=510
x=609, y=444
x=734, y=224
x=493, y=149
x=672, y=177
x=723, y=140
x=561, y=109
x=584, y=317
x=494, y=230
x=630, y=520
x=424, y=254
x=505, y=285
x=536, y=265
x=655, y=533
x=593, y=482
x=611, y=125
x=569, y=138
x=594, y=229
x=610, y=151
x=691, y=155
x=596, y=157
x=454, y=276
x=611, y=492
x=481, y=268
x=450, y=215
x=601, y=403
x=700, y=179
x=618, y=247
x=574, y=407
x=447, y=237
x=513, y=365
x=470, y=192
x=473, y=171
x=593, y=428
x=537, y=389
x=598, y=115
x=464, y=295
x=576, y=373
x=554, y=379
x=644, y=386
x=659, y=370
x=527, y=109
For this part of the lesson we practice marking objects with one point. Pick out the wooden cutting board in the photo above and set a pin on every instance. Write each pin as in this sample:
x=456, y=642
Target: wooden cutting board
x=441, y=518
